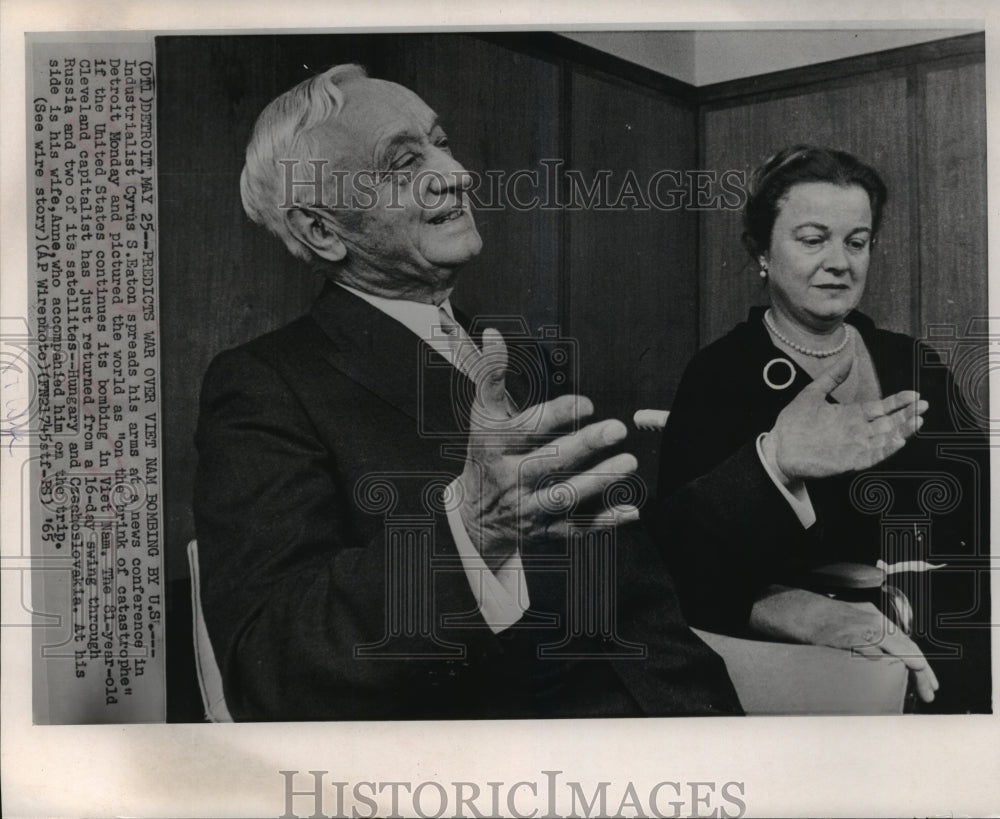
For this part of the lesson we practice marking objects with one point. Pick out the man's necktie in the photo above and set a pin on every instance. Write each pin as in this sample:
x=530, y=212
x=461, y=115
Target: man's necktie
x=466, y=356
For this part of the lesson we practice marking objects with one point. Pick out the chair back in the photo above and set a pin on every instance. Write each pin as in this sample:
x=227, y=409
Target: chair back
x=209, y=676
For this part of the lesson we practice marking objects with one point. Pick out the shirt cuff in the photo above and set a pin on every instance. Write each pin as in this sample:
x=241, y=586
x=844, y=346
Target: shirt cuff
x=797, y=496
x=502, y=596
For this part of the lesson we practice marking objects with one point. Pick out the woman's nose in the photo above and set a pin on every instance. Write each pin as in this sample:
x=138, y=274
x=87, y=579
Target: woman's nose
x=836, y=258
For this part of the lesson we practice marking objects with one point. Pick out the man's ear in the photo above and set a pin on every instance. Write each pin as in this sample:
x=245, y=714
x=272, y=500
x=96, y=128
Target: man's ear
x=316, y=233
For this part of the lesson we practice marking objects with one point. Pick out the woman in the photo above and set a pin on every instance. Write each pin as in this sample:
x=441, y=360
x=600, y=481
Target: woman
x=810, y=221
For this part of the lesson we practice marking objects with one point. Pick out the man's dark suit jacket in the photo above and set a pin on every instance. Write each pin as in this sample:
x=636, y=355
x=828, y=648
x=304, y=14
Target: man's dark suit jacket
x=323, y=449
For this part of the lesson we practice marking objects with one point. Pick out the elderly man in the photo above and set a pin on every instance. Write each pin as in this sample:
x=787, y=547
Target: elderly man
x=378, y=515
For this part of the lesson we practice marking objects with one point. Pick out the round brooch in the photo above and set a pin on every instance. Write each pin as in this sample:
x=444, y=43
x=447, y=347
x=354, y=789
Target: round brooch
x=776, y=385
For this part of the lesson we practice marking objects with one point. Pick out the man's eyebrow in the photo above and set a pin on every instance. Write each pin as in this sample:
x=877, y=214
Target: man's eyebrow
x=406, y=137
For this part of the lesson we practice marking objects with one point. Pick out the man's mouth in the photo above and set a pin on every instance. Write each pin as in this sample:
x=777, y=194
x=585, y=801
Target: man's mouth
x=449, y=215
x=832, y=286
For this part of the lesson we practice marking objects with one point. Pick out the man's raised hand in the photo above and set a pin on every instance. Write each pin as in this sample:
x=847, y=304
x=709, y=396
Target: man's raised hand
x=522, y=476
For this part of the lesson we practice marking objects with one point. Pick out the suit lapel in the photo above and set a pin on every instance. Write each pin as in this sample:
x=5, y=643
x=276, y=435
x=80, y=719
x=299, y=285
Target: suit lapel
x=893, y=374
x=387, y=359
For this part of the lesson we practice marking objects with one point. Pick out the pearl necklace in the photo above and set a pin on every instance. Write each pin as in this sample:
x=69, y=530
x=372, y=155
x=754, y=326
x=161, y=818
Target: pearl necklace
x=806, y=350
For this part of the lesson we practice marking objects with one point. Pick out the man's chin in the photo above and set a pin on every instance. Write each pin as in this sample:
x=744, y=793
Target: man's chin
x=460, y=254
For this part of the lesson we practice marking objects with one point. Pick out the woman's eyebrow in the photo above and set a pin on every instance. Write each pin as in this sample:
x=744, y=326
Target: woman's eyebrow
x=821, y=226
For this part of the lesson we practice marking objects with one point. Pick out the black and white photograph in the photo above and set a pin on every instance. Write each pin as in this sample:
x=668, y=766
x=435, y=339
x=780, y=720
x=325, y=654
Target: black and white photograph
x=429, y=403
x=618, y=224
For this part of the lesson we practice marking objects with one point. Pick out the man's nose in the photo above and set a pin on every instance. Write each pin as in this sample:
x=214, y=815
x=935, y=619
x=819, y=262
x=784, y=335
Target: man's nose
x=447, y=174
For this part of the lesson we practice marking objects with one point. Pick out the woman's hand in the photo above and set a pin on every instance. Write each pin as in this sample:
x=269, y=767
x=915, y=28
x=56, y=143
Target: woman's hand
x=813, y=438
x=807, y=617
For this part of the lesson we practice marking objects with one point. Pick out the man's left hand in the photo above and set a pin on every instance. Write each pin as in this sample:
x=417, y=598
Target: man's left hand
x=506, y=501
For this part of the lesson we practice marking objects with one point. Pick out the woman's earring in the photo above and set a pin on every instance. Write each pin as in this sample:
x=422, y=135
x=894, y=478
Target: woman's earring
x=763, y=268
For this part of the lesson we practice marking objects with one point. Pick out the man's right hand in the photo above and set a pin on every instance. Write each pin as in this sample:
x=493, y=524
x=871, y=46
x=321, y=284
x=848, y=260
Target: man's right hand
x=813, y=438
x=506, y=501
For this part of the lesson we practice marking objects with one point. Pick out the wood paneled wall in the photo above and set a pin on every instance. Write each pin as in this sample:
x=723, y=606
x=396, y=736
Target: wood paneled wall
x=951, y=201
x=633, y=301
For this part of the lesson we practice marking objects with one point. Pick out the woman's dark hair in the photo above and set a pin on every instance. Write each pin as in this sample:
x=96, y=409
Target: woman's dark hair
x=803, y=163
